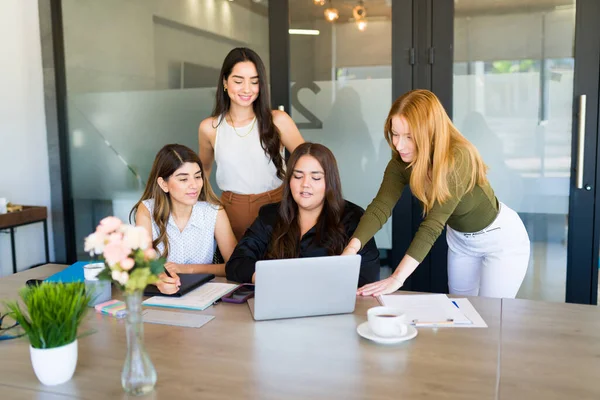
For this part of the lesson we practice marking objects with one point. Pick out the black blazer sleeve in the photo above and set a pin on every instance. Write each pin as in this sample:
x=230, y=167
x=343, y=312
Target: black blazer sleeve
x=253, y=246
x=369, y=264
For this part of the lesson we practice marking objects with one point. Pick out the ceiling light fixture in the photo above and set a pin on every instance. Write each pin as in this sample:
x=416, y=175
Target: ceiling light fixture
x=312, y=32
x=331, y=13
x=319, y=2
x=359, y=11
x=361, y=24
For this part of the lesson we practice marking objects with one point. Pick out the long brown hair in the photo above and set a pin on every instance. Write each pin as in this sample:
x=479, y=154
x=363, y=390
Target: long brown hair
x=436, y=140
x=285, y=242
x=168, y=160
x=268, y=132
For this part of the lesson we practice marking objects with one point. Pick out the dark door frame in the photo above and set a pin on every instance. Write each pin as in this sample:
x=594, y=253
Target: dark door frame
x=584, y=220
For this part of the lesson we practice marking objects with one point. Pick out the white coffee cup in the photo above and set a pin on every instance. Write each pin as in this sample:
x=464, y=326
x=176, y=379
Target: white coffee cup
x=91, y=271
x=387, y=321
x=3, y=205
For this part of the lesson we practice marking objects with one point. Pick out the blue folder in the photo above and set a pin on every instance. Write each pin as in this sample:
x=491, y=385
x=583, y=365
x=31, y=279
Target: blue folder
x=73, y=273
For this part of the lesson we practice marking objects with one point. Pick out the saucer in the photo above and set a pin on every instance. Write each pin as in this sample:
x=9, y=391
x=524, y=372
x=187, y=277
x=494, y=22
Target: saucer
x=364, y=331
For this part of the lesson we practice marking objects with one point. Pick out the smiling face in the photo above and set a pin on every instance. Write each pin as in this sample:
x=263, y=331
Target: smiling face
x=243, y=84
x=307, y=184
x=402, y=139
x=184, y=185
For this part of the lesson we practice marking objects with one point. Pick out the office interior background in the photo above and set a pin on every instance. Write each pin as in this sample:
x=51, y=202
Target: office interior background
x=102, y=85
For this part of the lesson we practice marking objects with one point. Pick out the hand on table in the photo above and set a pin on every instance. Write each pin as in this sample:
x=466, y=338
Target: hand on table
x=384, y=286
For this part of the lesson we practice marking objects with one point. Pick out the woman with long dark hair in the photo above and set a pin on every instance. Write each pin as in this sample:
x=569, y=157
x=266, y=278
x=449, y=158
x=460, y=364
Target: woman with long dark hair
x=312, y=219
x=246, y=139
x=183, y=216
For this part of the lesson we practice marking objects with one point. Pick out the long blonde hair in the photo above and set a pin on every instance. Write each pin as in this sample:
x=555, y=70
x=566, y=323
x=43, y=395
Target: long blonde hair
x=437, y=142
x=168, y=160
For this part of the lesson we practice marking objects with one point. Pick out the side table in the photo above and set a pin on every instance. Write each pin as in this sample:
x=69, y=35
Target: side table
x=29, y=215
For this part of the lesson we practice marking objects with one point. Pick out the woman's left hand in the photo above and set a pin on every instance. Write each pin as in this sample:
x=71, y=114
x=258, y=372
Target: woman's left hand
x=384, y=286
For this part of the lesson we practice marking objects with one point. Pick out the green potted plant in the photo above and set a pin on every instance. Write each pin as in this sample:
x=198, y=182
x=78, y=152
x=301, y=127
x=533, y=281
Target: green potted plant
x=50, y=319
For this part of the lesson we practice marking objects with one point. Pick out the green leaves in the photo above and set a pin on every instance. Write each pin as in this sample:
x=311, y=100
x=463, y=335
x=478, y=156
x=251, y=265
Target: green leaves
x=105, y=275
x=157, y=266
x=52, y=314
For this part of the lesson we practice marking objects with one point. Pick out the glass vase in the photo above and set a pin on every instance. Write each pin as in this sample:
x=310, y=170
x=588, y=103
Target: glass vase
x=138, y=376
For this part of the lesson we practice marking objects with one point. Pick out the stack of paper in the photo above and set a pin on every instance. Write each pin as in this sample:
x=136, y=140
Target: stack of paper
x=198, y=299
x=435, y=310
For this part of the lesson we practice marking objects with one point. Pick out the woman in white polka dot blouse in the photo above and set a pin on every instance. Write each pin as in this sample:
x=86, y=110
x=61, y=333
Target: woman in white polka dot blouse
x=184, y=217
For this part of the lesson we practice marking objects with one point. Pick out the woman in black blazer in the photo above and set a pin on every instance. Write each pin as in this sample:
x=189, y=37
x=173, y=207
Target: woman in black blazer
x=312, y=219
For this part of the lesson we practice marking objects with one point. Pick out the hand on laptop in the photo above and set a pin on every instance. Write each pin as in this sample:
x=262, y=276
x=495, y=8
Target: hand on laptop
x=384, y=286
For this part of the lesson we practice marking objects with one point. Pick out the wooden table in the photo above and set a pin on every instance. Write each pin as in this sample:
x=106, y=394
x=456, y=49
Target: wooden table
x=29, y=215
x=234, y=357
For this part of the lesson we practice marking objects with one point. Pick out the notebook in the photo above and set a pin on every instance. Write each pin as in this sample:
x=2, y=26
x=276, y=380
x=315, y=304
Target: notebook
x=198, y=299
x=73, y=273
x=189, y=282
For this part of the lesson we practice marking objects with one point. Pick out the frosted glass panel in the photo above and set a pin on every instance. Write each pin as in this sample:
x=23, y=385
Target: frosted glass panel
x=513, y=93
x=341, y=92
x=142, y=74
x=352, y=114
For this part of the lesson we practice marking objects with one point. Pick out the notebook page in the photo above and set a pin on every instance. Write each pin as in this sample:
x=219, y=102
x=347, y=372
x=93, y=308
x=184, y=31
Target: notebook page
x=198, y=299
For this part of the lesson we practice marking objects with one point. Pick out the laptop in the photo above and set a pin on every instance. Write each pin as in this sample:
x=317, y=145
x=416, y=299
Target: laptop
x=189, y=282
x=305, y=287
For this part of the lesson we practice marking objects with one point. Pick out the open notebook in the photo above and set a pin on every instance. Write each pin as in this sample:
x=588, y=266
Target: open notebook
x=198, y=299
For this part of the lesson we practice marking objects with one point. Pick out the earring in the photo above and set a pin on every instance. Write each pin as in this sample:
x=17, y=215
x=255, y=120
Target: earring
x=225, y=88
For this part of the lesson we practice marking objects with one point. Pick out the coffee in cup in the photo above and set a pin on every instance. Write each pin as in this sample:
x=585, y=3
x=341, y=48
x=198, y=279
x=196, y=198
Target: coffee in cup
x=387, y=321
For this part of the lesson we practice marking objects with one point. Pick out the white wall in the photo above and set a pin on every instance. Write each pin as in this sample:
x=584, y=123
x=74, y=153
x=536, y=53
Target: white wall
x=514, y=36
x=92, y=30
x=24, y=175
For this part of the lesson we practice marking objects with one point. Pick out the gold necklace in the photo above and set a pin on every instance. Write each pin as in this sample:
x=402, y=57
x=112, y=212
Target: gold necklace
x=247, y=133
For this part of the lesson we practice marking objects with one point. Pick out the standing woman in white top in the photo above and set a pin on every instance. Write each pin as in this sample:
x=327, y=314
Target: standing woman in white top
x=246, y=138
x=183, y=216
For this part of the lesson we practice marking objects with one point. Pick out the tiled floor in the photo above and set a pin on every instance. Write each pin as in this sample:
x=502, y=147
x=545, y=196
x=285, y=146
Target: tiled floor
x=546, y=275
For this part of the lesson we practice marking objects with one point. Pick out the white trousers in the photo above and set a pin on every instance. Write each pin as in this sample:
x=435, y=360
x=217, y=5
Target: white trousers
x=491, y=262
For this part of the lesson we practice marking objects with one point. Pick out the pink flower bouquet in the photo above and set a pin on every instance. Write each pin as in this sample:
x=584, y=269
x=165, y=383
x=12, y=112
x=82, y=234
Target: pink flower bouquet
x=127, y=251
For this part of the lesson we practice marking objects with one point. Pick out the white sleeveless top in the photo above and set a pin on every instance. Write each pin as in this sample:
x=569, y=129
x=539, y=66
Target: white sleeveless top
x=242, y=165
x=196, y=244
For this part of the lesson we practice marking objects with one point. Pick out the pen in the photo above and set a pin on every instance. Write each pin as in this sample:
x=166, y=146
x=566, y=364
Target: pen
x=449, y=321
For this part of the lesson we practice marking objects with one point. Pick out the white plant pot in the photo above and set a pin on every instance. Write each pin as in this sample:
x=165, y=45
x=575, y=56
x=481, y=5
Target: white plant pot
x=54, y=366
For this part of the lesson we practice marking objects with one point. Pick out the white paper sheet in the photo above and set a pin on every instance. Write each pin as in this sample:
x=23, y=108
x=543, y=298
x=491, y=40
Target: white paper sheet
x=470, y=312
x=424, y=310
x=175, y=318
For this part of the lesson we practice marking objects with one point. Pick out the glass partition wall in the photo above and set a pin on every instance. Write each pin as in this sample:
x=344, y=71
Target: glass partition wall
x=142, y=74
